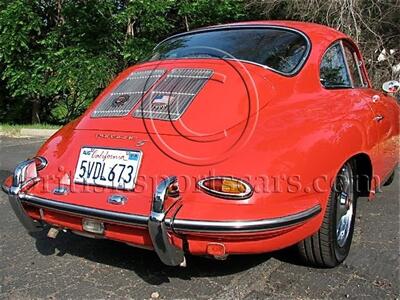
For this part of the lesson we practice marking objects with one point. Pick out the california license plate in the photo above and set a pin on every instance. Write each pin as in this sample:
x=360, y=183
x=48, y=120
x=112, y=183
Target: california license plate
x=108, y=167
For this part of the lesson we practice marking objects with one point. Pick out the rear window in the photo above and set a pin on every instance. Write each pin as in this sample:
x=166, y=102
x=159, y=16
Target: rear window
x=282, y=50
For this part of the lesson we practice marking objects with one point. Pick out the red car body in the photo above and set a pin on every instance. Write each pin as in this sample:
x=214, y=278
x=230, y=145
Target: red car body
x=286, y=136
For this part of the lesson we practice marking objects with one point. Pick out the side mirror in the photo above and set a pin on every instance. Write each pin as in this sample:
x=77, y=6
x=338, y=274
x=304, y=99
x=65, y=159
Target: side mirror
x=391, y=87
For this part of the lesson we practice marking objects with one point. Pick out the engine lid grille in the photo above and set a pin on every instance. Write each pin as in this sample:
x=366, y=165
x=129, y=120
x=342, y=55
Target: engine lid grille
x=128, y=93
x=173, y=95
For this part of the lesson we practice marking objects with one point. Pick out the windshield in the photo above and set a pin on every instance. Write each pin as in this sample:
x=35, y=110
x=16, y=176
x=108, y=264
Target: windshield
x=279, y=49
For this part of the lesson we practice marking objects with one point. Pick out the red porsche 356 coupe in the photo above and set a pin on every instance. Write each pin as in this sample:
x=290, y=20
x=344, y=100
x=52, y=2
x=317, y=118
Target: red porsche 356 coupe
x=234, y=139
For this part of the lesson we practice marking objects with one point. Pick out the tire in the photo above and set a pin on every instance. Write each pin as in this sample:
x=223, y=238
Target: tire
x=389, y=180
x=330, y=245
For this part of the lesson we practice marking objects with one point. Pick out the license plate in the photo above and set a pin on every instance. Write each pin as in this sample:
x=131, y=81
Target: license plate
x=108, y=167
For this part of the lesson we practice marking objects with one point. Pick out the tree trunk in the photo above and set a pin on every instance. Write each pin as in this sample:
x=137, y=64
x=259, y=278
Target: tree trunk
x=35, y=111
x=60, y=18
x=130, y=31
x=186, y=23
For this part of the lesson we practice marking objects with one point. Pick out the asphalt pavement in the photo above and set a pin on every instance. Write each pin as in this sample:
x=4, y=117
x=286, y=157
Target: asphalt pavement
x=75, y=267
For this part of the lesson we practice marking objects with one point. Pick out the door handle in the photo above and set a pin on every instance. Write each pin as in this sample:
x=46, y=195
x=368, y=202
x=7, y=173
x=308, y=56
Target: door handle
x=378, y=118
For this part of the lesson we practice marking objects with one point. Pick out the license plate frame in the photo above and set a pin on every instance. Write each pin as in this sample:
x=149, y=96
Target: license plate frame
x=85, y=181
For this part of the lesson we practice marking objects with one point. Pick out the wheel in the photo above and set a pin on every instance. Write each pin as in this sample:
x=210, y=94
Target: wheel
x=390, y=179
x=331, y=244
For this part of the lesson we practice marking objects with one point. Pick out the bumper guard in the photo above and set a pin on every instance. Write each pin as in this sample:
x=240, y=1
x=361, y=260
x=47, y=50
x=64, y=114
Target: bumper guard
x=168, y=253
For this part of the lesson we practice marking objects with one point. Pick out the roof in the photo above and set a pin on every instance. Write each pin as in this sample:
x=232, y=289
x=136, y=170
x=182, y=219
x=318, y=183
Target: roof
x=318, y=34
x=306, y=27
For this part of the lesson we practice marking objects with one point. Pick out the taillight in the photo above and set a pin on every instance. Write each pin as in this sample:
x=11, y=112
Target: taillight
x=226, y=187
x=40, y=162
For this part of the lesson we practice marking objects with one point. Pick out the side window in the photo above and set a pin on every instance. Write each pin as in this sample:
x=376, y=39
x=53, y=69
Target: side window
x=333, y=70
x=354, y=66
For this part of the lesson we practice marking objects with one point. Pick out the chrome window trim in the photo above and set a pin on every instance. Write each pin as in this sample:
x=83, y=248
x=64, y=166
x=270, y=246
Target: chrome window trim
x=260, y=26
x=346, y=63
x=359, y=64
x=357, y=61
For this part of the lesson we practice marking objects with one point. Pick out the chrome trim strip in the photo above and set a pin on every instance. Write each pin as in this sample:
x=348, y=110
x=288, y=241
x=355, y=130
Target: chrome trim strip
x=85, y=211
x=180, y=225
x=168, y=253
x=253, y=26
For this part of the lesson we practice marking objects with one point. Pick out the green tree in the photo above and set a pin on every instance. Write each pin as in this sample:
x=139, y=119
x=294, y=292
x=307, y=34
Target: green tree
x=56, y=55
x=20, y=30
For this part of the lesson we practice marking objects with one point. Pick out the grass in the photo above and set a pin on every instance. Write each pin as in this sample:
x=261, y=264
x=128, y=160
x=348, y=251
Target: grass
x=15, y=129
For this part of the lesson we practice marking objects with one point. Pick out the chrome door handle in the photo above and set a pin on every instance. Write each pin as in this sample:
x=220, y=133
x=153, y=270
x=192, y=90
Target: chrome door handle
x=378, y=118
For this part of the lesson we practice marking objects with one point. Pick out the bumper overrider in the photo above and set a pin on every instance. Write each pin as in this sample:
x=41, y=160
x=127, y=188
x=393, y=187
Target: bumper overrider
x=158, y=225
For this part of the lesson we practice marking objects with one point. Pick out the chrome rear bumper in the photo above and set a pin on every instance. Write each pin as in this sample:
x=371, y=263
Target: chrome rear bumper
x=158, y=225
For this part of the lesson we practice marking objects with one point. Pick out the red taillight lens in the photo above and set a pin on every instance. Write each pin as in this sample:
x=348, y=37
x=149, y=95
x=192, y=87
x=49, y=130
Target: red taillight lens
x=40, y=162
x=226, y=187
x=216, y=249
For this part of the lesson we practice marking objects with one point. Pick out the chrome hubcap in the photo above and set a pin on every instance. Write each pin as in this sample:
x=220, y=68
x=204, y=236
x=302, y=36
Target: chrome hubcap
x=344, y=204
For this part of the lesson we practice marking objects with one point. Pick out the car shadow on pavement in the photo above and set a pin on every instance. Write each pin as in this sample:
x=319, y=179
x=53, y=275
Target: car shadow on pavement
x=144, y=263
x=290, y=256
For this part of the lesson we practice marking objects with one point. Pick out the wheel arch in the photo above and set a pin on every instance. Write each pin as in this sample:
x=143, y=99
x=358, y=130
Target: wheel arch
x=363, y=173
